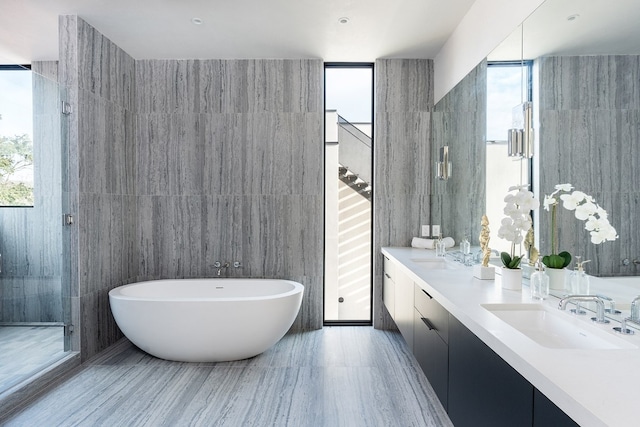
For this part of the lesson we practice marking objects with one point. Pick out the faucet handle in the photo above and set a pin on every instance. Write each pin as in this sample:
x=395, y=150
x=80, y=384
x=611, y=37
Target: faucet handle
x=217, y=264
x=237, y=264
x=622, y=329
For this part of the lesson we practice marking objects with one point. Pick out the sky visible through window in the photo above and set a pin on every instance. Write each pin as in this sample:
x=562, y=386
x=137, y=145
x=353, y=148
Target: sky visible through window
x=348, y=91
x=503, y=93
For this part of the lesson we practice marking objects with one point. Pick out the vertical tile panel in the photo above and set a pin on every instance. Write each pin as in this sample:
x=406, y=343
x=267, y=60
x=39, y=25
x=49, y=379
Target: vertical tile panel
x=167, y=86
x=225, y=139
x=402, y=160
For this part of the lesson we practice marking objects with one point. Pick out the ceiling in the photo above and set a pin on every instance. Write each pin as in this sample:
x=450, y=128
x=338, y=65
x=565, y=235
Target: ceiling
x=163, y=29
x=575, y=27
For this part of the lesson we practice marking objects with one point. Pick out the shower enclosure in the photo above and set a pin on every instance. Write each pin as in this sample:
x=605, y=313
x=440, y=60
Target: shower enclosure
x=34, y=292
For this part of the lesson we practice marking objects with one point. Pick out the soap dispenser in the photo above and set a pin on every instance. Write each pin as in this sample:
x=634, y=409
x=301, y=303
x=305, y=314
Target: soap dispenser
x=441, y=249
x=539, y=283
x=579, y=279
x=465, y=246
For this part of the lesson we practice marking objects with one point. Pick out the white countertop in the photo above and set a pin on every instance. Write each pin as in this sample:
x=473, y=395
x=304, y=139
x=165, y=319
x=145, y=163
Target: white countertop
x=594, y=387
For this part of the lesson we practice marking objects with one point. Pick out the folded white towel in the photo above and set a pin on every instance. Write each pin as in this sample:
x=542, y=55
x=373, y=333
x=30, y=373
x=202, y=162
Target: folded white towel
x=422, y=243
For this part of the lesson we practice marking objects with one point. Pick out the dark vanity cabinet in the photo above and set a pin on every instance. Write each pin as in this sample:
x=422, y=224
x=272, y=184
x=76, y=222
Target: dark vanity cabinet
x=430, y=348
x=475, y=385
x=546, y=413
x=483, y=389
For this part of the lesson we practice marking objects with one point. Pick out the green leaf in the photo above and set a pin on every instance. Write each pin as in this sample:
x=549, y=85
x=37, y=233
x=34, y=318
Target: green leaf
x=506, y=258
x=561, y=260
x=509, y=262
x=567, y=258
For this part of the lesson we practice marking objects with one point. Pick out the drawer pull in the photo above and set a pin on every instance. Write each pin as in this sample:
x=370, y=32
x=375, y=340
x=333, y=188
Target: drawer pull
x=429, y=325
x=388, y=277
x=427, y=294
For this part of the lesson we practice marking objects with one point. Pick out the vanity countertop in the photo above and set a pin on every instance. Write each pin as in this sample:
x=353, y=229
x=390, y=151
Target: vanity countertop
x=595, y=387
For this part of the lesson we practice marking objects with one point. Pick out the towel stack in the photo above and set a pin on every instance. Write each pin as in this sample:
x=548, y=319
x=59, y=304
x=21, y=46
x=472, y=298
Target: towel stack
x=422, y=243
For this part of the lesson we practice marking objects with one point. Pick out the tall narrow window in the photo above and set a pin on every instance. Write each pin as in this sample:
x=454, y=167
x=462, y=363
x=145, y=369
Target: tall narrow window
x=348, y=190
x=16, y=136
x=508, y=85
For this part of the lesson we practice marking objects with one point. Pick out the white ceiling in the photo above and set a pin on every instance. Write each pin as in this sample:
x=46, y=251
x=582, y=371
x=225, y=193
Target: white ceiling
x=162, y=29
x=601, y=27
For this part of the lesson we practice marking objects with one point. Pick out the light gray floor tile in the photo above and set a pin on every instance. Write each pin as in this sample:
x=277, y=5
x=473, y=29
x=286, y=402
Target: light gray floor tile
x=25, y=350
x=337, y=376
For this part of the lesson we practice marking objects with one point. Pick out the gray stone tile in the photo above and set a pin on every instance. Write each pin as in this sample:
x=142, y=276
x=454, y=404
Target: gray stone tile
x=336, y=376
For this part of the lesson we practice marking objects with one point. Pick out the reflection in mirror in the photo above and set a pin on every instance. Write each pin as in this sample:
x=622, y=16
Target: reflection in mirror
x=505, y=83
x=586, y=85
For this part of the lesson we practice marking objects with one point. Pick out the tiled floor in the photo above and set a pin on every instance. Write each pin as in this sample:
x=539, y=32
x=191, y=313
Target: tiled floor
x=337, y=376
x=25, y=350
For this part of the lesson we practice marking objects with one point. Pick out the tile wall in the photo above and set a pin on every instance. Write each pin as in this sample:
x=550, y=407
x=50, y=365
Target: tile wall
x=589, y=110
x=402, y=160
x=184, y=162
x=459, y=121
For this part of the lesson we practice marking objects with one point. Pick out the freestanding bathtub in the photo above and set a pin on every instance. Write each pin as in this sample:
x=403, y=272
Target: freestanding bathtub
x=206, y=320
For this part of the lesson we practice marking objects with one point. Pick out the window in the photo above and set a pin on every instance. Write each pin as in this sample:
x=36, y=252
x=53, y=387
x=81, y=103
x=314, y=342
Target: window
x=16, y=136
x=508, y=85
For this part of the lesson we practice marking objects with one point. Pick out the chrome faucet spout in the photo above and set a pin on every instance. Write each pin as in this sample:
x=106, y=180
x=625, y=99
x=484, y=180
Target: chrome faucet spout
x=562, y=305
x=220, y=266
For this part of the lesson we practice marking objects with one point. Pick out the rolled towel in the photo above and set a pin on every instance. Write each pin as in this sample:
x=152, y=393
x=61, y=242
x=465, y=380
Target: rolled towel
x=448, y=242
x=422, y=243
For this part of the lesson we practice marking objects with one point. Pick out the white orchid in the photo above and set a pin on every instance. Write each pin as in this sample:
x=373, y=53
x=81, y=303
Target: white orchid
x=517, y=222
x=585, y=209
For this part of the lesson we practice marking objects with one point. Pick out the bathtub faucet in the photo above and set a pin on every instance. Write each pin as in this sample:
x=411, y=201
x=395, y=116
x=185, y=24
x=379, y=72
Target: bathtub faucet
x=219, y=266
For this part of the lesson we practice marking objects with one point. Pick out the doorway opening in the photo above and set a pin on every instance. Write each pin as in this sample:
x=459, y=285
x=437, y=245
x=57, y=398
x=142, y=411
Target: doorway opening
x=348, y=285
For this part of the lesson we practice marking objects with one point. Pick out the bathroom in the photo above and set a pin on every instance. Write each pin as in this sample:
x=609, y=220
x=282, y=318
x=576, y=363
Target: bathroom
x=136, y=217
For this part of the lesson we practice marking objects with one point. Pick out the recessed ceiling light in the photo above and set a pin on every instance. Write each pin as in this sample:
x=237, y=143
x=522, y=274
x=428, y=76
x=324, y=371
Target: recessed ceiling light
x=343, y=20
x=573, y=17
x=196, y=21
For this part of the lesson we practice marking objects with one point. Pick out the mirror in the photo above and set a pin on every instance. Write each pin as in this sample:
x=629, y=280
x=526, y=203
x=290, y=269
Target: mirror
x=587, y=113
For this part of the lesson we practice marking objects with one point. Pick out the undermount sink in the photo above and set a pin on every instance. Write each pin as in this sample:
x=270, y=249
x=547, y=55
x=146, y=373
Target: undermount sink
x=435, y=264
x=555, y=330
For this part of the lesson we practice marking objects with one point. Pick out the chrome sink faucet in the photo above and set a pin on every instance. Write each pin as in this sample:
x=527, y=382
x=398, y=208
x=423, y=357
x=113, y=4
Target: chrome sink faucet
x=219, y=266
x=562, y=305
x=634, y=318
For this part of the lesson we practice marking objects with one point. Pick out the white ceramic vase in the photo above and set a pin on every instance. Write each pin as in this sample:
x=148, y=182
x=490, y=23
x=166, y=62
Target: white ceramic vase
x=557, y=277
x=512, y=278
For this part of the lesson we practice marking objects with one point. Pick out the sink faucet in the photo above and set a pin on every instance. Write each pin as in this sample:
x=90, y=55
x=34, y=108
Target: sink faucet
x=219, y=266
x=586, y=298
x=634, y=318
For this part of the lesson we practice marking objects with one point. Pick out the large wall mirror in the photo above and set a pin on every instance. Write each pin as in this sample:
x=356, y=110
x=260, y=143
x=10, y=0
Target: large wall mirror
x=586, y=95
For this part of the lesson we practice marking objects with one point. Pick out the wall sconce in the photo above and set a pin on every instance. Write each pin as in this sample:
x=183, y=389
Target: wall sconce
x=443, y=165
x=520, y=138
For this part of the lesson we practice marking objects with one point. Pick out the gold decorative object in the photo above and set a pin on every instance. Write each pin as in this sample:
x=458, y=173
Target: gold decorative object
x=532, y=251
x=484, y=241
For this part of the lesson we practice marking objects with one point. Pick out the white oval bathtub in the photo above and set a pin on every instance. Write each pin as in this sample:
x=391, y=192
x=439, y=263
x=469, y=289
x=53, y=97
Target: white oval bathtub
x=206, y=320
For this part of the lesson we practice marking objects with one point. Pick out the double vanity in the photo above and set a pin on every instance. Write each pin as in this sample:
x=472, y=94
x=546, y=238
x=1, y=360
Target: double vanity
x=496, y=357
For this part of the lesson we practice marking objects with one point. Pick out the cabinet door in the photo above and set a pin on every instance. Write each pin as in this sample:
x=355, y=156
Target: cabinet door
x=389, y=294
x=483, y=389
x=404, y=306
x=430, y=308
x=546, y=413
x=432, y=353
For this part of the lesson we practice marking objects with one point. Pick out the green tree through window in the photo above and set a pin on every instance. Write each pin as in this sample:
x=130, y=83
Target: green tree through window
x=16, y=154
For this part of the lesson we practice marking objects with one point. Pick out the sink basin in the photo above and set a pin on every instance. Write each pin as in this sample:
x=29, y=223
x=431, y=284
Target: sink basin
x=435, y=264
x=555, y=330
